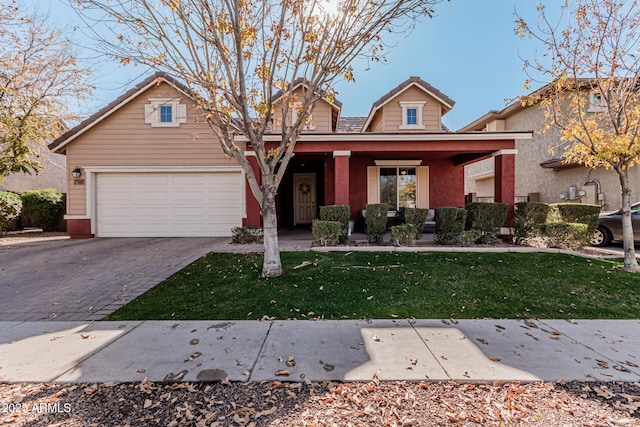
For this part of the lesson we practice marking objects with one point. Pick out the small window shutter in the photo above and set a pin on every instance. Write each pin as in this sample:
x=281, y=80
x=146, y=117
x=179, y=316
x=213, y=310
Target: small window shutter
x=150, y=114
x=181, y=113
x=373, y=184
x=423, y=187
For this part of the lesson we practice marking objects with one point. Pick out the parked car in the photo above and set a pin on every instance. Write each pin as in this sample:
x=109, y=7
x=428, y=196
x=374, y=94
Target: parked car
x=610, y=226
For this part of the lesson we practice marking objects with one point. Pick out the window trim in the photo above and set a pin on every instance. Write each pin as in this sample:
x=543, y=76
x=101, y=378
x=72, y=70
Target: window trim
x=407, y=105
x=422, y=183
x=596, y=107
x=152, y=114
x=308, y=125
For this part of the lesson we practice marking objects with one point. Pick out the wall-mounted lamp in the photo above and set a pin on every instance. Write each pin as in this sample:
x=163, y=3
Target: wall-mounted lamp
x=76, y=173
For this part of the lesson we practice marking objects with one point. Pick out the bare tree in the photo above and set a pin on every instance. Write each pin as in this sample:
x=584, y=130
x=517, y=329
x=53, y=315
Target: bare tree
x=593, y=62
x=237, y=55
x=39, y=79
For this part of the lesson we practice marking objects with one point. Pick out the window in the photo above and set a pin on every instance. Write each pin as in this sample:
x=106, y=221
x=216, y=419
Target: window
x=596, y=103
x=308, y=124
x=166, y=115
x=165, y=112
x=398, y=187
x=412, y=115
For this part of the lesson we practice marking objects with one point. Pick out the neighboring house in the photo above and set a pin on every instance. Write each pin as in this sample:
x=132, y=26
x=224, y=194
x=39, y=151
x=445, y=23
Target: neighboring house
x=143, y=173
x=540, y=174
x=52, y=176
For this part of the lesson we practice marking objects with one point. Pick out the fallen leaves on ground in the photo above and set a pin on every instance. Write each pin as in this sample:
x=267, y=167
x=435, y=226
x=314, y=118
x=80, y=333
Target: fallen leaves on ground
x=276, y=403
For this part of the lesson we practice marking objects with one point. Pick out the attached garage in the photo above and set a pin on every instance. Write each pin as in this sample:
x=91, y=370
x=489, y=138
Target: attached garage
x=168, y=204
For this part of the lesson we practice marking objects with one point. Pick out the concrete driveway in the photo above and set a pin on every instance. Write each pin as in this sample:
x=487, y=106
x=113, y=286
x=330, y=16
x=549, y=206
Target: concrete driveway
x=88, y=279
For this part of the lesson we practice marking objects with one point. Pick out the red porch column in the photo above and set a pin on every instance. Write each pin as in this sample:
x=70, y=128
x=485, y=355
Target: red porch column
x=341, y=176
x=504, y=180
x=253, y=207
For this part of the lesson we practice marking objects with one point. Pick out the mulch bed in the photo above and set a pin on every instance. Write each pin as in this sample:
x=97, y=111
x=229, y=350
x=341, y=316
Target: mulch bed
x=327, y=404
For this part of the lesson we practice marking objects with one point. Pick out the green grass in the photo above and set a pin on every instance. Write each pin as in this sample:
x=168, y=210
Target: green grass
x=385, y=285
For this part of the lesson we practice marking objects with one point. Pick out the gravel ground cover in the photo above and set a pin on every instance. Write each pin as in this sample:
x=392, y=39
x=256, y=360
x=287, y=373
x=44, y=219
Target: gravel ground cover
x=277, y=403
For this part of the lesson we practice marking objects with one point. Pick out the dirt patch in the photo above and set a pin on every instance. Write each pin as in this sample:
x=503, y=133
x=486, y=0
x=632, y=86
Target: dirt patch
x=30, y=236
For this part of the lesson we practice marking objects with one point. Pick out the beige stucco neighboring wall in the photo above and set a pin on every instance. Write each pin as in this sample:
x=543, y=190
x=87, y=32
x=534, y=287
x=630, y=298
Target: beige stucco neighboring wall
x=431, y=111
x=124, y=139
x=532, y=178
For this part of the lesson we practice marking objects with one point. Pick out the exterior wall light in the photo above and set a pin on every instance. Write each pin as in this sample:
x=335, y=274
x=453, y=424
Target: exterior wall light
x=76, y=173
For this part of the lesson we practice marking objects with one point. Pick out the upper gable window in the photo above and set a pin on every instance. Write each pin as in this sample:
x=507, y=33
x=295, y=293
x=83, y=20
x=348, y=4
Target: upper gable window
x=165, y=112
x=597, y=103
x=412, y=115
x=308, y=123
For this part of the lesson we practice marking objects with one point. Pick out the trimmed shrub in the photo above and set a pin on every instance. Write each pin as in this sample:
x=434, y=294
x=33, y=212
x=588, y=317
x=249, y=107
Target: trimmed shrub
x=487, y=218
x=44, y=208
x=417, y=217
x=245, y=235
x=449, y=224
x=376, y=221
x=575, y=213
x=326, y=233
x=470, y=237
x=566, y=235
x=340, y=213
x=403, y=235
x=528, y=216
x=10, y=207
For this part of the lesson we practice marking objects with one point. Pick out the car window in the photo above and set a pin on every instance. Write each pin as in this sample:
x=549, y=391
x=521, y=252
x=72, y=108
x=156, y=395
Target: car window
x=635, y=210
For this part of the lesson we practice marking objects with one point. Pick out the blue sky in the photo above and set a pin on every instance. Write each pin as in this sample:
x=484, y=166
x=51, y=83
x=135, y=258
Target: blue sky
x=468, y=51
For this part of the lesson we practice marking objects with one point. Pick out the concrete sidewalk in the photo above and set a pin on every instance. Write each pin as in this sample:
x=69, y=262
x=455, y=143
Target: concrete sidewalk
x=345, y=350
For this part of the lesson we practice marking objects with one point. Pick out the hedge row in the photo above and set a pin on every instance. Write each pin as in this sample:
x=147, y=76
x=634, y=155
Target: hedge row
x=558, y=225
x=40, y=208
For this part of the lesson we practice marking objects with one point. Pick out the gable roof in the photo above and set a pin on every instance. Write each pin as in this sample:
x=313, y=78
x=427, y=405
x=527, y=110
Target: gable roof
x=416, y=81
x=301, y=81
x=103, y=113
x=351, y=124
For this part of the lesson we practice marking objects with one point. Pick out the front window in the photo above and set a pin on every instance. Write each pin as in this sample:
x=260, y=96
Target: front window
x=412, y=115
x=166, y=115
x=398, y=187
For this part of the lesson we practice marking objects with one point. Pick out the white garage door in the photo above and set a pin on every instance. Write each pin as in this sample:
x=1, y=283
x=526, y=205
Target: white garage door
x=168, y=204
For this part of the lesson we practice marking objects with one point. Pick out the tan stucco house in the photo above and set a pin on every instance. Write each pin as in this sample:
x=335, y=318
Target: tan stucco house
x=539, y=174
x=147, y=167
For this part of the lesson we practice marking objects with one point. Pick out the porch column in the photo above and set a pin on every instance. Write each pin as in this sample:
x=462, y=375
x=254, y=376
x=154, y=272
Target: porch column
x=253, y=207
x=341, y=176
x=504, y=180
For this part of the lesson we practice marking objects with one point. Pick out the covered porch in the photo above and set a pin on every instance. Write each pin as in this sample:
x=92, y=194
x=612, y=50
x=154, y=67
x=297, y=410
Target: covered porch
x=404, y=170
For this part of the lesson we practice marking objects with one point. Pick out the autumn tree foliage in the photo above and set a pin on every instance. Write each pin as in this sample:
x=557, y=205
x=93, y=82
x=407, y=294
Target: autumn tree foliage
x=592, y=58
x=238, y=56
x=40, y=80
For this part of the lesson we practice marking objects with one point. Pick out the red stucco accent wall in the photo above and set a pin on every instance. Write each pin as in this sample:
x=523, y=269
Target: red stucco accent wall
x=253, y=207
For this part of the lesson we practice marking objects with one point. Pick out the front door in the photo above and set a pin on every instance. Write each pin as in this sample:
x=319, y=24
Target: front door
x=304, y=198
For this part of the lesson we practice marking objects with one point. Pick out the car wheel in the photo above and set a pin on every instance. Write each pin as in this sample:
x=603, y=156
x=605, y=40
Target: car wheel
x=601, y=237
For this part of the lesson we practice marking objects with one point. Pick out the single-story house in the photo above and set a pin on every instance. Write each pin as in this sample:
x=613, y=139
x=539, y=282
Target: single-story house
x=144, y=166
x=540, y=174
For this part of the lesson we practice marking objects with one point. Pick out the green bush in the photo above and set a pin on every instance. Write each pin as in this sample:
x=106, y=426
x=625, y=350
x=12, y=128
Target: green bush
x=340, y=213
x=566, y=235
x=10, y=207
x=487, y=218
x=575, y=213
x=245, y=235
x=528, y=216
x=417, y=217
x=449, y=224
x=403, y=235
x=326, y=233
x=44, y=208
x=376, y=221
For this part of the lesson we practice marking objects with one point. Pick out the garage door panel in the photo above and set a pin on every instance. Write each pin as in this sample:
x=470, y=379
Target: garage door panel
x=168, y=204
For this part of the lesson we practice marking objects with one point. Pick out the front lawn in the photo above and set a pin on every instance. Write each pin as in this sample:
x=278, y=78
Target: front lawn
x=425, y=285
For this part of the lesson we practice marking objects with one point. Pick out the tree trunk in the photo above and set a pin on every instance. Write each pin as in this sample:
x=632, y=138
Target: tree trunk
x=272, y=266
x=630, y=261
